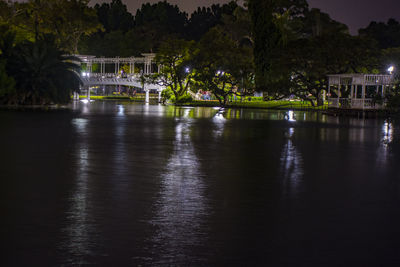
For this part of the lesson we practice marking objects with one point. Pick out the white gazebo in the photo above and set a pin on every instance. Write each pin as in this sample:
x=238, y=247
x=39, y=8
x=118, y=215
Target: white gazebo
x=358, y=91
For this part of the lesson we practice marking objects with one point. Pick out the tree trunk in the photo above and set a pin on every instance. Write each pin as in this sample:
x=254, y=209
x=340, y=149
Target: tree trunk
x=320, y=101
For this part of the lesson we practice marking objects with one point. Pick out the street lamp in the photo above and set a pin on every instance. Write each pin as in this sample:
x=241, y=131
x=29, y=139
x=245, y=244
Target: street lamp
x=390, y=69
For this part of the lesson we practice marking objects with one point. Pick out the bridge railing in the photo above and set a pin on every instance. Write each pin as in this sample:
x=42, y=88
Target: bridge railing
x=113, y=75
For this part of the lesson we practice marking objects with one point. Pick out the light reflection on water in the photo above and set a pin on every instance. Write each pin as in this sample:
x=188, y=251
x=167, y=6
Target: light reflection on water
x=219, y=122
x=181, y=207
x=80, y=229
x=387, y=132
x=157, y=201
x=386, y=139
x=291, y=165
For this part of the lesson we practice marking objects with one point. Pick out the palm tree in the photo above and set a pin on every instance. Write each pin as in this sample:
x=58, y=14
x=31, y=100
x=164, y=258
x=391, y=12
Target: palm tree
x=43, y=74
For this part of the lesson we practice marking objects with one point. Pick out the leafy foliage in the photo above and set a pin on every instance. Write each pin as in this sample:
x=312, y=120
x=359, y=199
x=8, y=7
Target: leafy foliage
x=42, y=73
x=271, y=24
x=66, y=20
x=7, y=83
x=221, y=64
x=174, y=56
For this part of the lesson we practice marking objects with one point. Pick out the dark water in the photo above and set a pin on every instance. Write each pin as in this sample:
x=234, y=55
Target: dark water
x=114, y=185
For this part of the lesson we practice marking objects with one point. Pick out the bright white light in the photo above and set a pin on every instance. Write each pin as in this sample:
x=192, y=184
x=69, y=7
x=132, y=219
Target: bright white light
x=85, y=101
x=390, y=69
x=290, y=116
x=387, y=130
x=187, y=70
x=121, y=110
x=84, y=74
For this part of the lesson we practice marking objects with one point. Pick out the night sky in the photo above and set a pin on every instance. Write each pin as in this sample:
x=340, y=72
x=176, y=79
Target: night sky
x=355, y=13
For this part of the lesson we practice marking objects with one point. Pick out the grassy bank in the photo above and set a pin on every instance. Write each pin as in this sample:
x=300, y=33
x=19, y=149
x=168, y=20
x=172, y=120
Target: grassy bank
x=139, y=98
x=296, y=105
x=282, y=104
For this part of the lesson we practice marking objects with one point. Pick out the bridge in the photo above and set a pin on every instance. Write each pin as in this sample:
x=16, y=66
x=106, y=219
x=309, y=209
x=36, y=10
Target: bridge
x=119, y=72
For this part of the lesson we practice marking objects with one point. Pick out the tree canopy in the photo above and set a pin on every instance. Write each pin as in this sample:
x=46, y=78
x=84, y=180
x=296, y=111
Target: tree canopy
x=279, y=47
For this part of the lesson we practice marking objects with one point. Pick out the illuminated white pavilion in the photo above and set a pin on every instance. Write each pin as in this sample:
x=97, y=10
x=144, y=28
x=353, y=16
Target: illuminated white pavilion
x=358, y=91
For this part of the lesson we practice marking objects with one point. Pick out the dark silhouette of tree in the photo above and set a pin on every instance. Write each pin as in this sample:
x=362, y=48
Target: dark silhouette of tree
x=271, y=21
x=43, y=74
x=67, y=20
x=203, y=19
x=160, y=21
x=323, y=47
x=386, y=34
x=222, y=66
x=114, y=16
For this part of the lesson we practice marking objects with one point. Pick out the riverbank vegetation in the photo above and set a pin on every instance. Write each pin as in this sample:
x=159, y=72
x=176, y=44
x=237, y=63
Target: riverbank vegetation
x=279, y=49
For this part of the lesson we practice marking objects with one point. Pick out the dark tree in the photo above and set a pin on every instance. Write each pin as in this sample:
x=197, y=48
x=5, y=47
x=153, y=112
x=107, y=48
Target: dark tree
x=386, y=34
x=114, y=16
x=270, y=23
x=203, y=19
x=222, y=66
x=43, y=74
x=161, y=19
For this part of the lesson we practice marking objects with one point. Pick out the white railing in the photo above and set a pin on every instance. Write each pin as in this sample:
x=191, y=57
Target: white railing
x=333, y=102
x=112, y=75
x=129, y=81
x=347, y=103
x=357, y=103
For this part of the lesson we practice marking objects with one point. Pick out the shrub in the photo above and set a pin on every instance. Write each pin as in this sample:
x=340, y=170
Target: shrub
x=184, y=99
x=7, y=84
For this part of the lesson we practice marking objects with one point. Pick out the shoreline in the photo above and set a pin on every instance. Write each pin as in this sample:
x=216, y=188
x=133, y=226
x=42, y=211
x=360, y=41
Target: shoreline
x=386, y=113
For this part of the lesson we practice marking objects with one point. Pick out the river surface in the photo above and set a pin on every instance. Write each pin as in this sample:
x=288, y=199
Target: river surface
x=133, y=185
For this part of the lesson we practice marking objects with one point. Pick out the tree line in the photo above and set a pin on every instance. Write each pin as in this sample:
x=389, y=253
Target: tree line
x=279, y=47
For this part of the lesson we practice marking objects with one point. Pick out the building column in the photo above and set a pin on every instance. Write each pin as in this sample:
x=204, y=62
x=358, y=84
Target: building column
x=159, y=96
x=363, y=94
x=147, y=100
x=338, y=94
x=351, y=91
x=329, y=88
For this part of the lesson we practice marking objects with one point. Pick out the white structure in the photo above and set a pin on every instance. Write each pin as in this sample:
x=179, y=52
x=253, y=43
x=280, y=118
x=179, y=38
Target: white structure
x=131, y=78
x=358, y=91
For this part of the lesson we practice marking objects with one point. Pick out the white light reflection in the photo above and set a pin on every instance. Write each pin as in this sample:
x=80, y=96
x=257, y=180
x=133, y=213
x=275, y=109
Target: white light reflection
x=219, y=122
x=289, y=116
x=119, y=156
x=80, y=124
x=291, y=165
x=121, y=110
x=387, y=133
x=146, y=109
x=186, y=112
x=181, y=207
x=80, y=229
x=386, y=139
